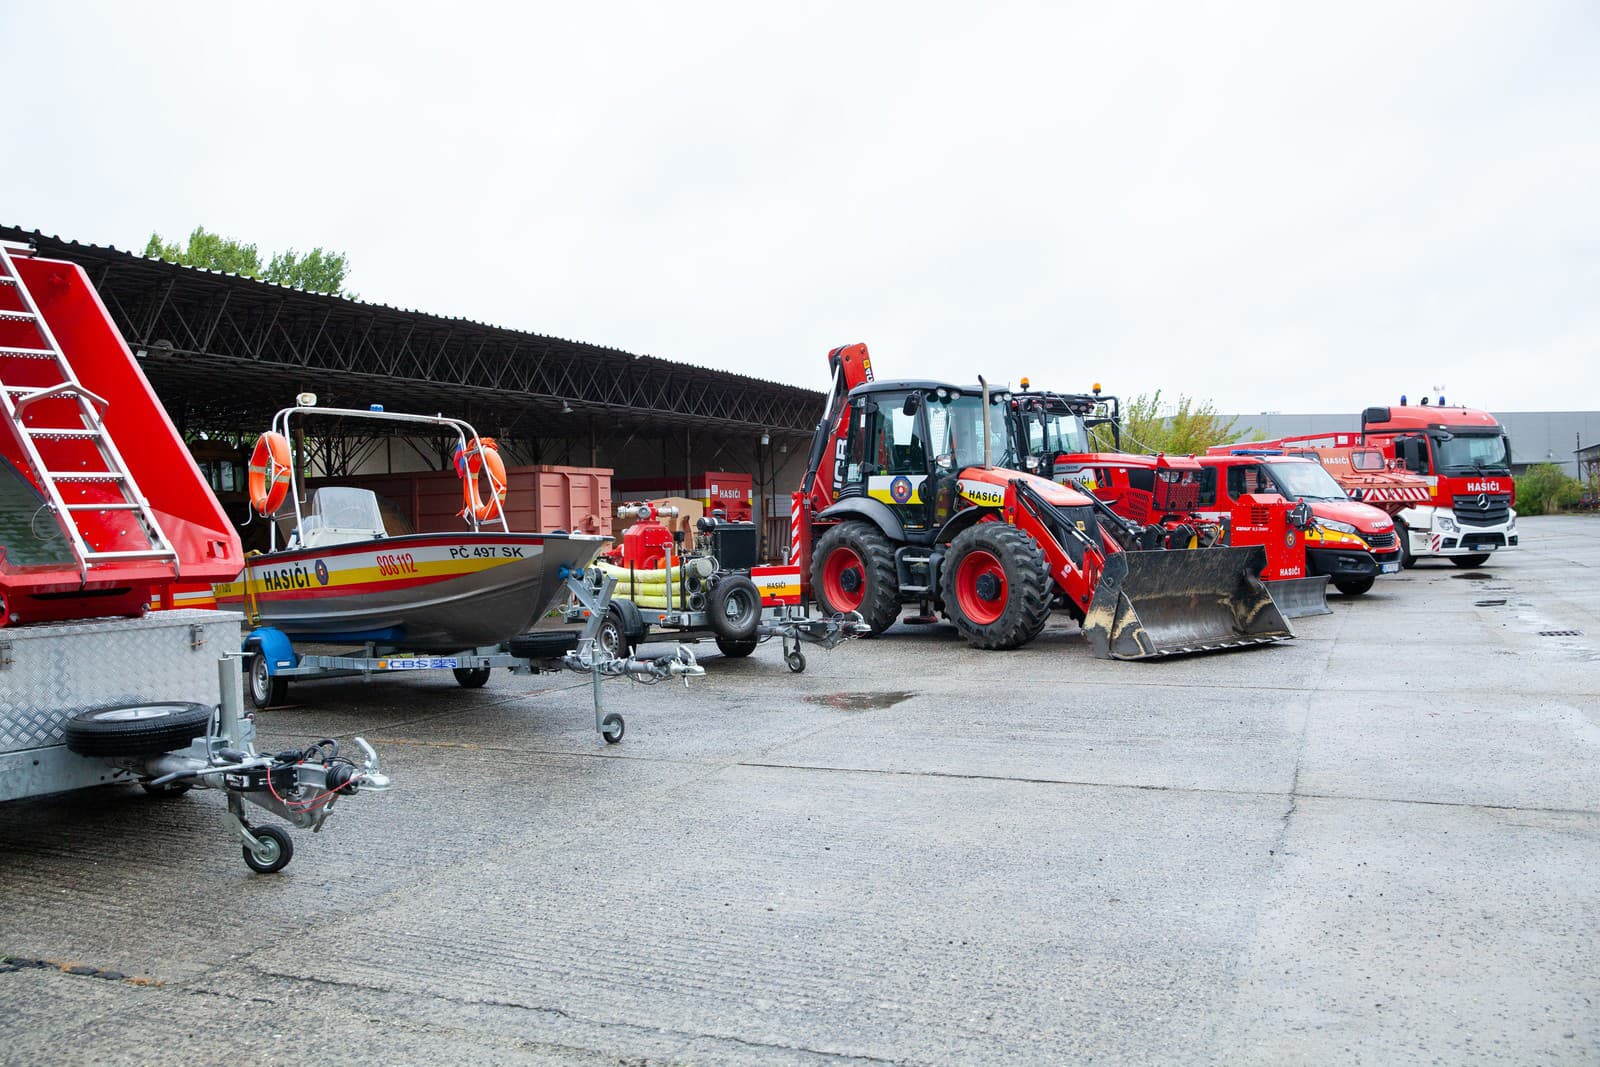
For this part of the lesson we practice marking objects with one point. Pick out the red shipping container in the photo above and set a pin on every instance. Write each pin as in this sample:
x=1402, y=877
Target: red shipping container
x=540, y=498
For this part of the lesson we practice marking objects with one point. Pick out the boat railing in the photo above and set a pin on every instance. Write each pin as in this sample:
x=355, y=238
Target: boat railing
x=282, y=423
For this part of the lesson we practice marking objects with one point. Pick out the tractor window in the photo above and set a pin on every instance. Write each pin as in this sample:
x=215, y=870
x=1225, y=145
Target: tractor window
x=886, y=441
x=956, y=429
x=1057, y=432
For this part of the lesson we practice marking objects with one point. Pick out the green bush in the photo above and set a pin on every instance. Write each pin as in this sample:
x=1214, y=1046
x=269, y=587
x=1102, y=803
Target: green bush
x=1545, y=487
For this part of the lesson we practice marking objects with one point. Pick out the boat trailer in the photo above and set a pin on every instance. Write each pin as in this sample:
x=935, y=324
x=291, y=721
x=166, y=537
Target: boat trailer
x=274, y=661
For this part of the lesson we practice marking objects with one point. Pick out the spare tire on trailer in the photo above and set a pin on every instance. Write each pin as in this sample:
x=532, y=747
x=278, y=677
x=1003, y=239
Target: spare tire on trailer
x=143, y=729
x=734, y=608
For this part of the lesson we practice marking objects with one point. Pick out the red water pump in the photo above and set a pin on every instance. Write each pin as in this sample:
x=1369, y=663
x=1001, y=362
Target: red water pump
x=646, y=544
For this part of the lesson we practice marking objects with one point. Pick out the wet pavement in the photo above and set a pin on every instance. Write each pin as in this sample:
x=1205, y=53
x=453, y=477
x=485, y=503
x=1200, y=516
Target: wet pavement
x=1377, y=843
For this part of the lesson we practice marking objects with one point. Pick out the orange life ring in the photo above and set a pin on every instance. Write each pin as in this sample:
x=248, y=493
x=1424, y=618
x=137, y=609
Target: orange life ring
x=269, y=473
x=482, y=456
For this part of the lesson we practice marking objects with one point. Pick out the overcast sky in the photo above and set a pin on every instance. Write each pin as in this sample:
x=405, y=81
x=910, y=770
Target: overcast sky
x=1275, y=206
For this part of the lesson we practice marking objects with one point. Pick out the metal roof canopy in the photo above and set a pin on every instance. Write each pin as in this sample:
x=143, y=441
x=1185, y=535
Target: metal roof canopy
x=225, y=352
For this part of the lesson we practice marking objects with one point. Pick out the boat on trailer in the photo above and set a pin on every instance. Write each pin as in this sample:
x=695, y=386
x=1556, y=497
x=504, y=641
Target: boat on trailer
x=339, y=576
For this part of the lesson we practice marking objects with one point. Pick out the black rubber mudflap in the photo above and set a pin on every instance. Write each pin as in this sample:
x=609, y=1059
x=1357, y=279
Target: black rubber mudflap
x=1299, y=597
x=1179, y=602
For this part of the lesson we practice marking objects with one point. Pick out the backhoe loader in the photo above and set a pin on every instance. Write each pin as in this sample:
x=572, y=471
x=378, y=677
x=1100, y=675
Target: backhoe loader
x=912, y=496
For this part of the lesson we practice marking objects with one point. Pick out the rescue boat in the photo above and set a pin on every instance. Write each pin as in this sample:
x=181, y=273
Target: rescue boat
x=341, y=578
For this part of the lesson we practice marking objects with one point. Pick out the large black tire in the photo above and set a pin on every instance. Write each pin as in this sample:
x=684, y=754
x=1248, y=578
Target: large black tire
x=265, y=689
x=734, y=609
x=996, y=586
x=1353, y=586
x=471, y=677
x=1403, y=535
x=1466, y=562
x=736, y=649
x=852, y=569
x=147, y=729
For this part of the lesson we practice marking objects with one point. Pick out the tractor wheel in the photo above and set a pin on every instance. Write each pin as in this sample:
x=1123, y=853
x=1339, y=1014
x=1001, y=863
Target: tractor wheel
x=852, y=569
x=996, y=586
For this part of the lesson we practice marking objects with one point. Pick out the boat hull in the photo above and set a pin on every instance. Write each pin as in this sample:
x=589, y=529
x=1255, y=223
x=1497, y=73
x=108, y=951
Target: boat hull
x=422, y=592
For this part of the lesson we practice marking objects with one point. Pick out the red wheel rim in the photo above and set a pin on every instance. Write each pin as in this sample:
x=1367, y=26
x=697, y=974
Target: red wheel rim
x=975, y=567
x=842, y=561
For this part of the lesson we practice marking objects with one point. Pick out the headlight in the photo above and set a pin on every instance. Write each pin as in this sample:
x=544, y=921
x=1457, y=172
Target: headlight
x=1334, y=524
x=1512, y=525
x=1448, y=525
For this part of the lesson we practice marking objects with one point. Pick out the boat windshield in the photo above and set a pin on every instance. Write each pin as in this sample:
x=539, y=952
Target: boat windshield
x=339, y=514
x=955, y=425
x=1474, y=452
x=1306, y=481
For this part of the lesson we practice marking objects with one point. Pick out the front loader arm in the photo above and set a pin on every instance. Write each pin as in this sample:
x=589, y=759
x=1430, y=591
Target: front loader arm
x=1074, y=573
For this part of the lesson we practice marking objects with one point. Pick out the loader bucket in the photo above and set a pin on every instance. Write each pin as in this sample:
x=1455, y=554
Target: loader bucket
x=1299, y=597
x=1172, y=603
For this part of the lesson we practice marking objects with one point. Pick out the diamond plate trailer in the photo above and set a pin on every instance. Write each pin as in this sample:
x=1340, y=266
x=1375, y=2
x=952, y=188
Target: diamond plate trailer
x=157, y=702
x=102, y=509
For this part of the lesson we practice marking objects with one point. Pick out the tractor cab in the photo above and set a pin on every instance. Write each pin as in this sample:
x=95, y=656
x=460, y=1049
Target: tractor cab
x=909, y=443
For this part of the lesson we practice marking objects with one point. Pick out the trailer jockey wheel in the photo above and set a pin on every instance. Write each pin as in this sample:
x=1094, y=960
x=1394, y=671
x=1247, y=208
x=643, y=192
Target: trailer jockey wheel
x=796, y=661
x=612, y=727
x=275, y=849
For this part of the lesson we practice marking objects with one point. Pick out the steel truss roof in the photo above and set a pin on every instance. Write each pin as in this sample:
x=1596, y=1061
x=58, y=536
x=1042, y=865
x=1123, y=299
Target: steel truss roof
x=225, y=352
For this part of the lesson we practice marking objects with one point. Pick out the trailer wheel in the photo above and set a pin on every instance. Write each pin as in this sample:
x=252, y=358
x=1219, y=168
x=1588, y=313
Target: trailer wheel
x=736, y=649
x=1466, y=562
x=1353, y=586
x=996, y=586
x=734, y=610
x=853, y=569
x=471, y=677
x=266, y=689
x=612, y=727
x=613, y=637
x=796, y=661
x=147, y=729
x=277, y=849
x=1403, y=535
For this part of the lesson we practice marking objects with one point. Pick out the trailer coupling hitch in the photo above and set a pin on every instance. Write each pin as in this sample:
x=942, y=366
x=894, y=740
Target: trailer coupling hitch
x=299, y=786
x=680, y=663
x=828, y=633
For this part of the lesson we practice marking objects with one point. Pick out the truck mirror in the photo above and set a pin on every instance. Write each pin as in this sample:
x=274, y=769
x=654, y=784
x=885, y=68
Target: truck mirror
x=912, y=404
x=945, y=461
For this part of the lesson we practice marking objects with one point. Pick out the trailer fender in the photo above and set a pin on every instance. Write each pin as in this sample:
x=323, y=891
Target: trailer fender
x=874, y=511
x=274, y=645
x=631, y=617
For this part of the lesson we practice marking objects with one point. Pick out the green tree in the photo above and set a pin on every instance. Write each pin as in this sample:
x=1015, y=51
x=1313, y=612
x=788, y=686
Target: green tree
x=1544, y=487
x=1181, y=429
x=318, y=271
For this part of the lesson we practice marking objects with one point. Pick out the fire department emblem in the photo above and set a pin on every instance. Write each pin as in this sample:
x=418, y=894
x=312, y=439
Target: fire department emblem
x=322, y=573
x=900, y=489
